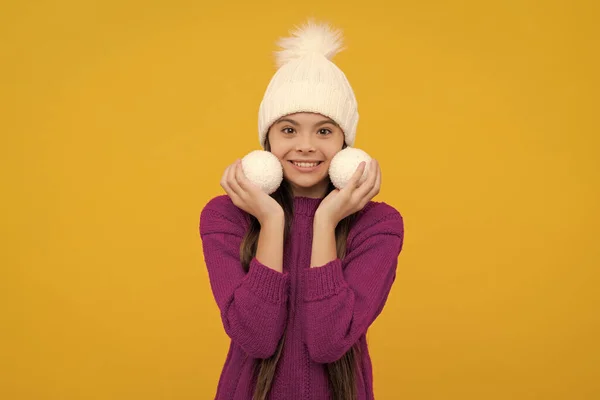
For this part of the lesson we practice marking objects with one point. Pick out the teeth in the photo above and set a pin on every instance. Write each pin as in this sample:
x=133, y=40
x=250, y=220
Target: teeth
x=306, y=165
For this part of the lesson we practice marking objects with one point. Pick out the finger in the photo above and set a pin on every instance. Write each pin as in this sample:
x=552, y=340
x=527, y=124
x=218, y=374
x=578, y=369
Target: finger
x=375, y=190
x=373, y=172
x=232, y=181
x=223, y=181
x=353, y=181
x=369, y=182
x=242, y=180
x=225, y=185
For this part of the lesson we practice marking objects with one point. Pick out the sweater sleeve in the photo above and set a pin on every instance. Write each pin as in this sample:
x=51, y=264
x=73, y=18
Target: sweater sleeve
x=343, y=298
x=253, y=305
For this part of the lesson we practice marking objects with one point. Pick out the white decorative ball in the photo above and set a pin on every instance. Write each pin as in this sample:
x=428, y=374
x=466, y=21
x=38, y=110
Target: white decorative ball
x=263, y=169
x=344, y=165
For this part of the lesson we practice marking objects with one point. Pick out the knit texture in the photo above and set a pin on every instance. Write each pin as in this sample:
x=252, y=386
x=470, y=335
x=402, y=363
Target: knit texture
x=323, y=310
x=308, y=81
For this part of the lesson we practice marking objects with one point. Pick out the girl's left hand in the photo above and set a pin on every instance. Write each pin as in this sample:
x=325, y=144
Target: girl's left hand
x=338, y=204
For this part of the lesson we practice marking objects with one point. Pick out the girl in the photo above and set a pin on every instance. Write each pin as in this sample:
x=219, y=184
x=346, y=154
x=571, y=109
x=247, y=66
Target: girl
x=301, y=274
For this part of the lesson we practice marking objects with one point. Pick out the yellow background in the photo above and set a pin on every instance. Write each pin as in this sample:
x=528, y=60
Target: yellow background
x=118, y=118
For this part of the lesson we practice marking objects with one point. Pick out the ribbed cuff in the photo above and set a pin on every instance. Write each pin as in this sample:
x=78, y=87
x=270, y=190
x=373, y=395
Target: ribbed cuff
x=265, y=282
x=325, y=281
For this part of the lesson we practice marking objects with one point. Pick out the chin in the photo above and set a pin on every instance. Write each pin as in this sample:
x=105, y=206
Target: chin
x=304, y=183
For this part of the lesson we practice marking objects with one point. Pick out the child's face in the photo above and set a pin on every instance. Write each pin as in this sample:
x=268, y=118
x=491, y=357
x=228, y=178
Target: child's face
x=306, y=137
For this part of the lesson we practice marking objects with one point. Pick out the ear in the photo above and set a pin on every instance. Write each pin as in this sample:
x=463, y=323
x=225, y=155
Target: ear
x=344, y=165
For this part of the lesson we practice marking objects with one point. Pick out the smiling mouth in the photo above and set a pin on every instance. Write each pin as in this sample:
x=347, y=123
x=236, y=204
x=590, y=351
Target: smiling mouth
x=305, y=164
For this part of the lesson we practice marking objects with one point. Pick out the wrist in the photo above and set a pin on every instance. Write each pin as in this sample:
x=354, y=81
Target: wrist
x=272, y=219
x=324, y=221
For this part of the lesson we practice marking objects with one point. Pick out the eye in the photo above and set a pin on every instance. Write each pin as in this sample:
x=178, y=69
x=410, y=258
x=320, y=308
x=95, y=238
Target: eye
x=287, y=130
x=325, y=131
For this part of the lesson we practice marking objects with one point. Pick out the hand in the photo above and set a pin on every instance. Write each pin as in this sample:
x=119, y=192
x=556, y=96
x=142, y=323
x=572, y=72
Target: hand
x=338, y=204
x=247, y=196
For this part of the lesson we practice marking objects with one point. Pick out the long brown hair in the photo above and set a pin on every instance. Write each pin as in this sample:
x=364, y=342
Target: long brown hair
x=342, y=373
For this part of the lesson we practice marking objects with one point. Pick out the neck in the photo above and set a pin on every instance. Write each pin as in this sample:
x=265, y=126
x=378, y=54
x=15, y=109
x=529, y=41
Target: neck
x=318, y=191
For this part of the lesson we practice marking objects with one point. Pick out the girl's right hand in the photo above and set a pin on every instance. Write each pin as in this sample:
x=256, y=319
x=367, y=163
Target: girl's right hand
x=247, y=196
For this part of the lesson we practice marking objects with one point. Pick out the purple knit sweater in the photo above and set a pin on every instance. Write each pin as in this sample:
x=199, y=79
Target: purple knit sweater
x=323, y=310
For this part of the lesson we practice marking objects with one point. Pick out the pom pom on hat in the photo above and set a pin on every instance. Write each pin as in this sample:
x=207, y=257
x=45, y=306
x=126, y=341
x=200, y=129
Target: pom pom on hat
x=308, y=81
x=310, y=38
x=344, y=165
x=263, y=169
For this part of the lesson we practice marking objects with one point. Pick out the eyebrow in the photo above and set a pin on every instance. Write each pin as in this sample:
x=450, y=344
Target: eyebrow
x=295, y=123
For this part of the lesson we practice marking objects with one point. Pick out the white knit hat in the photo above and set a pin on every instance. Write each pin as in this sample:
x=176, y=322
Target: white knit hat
x=307, y=81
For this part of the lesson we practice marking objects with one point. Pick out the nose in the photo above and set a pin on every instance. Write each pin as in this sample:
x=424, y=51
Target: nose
x=305, y=144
